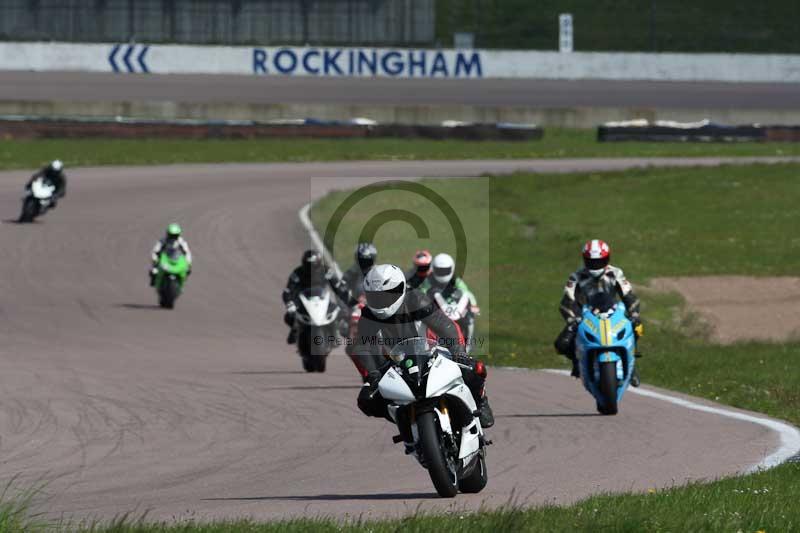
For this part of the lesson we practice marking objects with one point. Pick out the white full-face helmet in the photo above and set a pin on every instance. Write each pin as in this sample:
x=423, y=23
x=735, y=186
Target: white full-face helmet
x=444, y=267
x=57, y=165
x=385, y=290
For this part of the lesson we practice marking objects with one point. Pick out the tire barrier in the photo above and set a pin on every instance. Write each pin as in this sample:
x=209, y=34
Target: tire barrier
x=30, y=127
x=702, y=131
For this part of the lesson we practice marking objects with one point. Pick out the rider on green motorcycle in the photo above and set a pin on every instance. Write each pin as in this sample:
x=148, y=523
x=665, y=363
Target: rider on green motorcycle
x=173, y=237
x=596, y=276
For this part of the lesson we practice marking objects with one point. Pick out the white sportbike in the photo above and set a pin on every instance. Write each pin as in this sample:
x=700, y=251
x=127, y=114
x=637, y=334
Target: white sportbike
x=317, y=323
x=37, y=199
x=436, y=415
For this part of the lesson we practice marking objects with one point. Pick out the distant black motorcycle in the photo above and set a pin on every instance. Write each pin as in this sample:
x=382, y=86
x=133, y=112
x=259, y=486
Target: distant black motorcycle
x=318, y=324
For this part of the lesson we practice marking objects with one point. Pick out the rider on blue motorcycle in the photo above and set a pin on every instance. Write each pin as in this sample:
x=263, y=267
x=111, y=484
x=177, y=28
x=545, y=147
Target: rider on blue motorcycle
x=596, y=276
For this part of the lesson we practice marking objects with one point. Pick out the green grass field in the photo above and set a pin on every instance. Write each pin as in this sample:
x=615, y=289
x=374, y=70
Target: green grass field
x=557, y=143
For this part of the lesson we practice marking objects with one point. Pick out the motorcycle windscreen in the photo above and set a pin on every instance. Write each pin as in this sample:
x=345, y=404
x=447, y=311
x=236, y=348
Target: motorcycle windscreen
x=316, y=302
x=173, y=262
x=392, y=387
x=443, y=376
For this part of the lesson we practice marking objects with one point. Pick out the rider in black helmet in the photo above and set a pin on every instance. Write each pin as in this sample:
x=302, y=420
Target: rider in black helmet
x=312, y=272
x=366, y=253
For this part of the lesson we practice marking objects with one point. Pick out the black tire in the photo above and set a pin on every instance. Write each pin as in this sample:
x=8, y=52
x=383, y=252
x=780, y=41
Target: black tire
x=308, y=364
x=308, y=342
x=608, y=388
x=29, y=210
x=319, y=362
x=168, y=294
x=430, y=442
x=476, y=480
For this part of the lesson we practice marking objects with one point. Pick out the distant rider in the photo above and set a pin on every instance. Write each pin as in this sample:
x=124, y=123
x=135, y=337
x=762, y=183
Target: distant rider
x=596, y=276
x=444, y=280
x=421, y=269
x=173, y=237
x=395, y=313
x=366, y=253
x=312, y=272
x=54, y=174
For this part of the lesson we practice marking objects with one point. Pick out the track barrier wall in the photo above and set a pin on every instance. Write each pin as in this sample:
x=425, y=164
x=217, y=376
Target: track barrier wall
x=126, y=58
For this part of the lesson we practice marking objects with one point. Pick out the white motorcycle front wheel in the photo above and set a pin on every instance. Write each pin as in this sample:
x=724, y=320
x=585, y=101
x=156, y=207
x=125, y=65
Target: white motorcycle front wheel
x=442, y=473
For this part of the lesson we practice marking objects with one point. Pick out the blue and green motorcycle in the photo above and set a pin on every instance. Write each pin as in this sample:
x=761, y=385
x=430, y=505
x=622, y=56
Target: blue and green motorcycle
x=606, y=347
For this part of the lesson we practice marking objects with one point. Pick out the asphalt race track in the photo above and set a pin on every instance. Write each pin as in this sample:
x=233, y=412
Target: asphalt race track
x=203, y=412
x=100, y=87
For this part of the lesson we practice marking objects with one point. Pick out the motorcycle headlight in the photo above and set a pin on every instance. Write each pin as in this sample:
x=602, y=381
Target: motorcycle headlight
x=621, y=334
x=591, y=338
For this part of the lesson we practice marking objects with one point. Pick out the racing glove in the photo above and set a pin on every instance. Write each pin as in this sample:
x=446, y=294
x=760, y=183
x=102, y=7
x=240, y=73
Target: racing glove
x=288, y=317
x=638, y=327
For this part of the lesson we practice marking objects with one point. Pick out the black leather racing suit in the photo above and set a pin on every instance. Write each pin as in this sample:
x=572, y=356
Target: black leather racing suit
x=302, y=278
x=353, y=278
x=580, y=287
x=413, y=279
x=378, y=336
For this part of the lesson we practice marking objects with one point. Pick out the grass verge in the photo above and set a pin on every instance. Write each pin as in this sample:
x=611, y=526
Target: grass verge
x=557, y=143
x=761, y=502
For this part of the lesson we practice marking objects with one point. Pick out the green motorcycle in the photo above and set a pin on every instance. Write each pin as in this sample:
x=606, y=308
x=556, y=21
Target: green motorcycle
x=173, y=268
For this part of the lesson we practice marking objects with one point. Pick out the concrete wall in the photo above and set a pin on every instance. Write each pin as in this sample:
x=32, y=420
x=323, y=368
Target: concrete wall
x=400, y=63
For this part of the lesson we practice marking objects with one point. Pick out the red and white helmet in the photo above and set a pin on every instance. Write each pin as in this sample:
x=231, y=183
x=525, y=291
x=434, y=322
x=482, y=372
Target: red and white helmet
x=596, y=256
x=422, y=263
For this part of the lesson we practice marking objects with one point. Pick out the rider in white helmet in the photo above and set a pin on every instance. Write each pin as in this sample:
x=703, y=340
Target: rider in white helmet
x=54, y=173
x=444, y=280
x=395, y=313
x=597, y=275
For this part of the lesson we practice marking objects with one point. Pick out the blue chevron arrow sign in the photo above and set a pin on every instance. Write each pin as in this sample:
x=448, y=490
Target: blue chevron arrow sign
x=127, y=58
